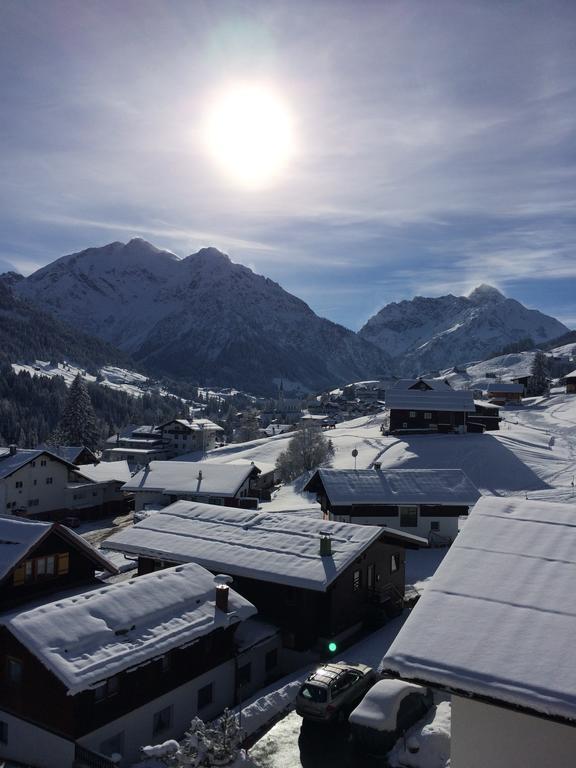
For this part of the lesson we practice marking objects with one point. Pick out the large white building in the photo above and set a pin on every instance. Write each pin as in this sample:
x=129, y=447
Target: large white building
x=496, y=629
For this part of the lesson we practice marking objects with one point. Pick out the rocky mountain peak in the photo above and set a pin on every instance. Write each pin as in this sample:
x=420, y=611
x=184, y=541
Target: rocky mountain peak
x=484, y=293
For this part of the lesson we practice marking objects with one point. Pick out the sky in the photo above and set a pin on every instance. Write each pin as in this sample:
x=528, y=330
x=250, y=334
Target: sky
x=430, y=144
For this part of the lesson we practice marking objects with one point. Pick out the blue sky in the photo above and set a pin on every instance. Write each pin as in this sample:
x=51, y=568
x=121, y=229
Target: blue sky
x=435, y=141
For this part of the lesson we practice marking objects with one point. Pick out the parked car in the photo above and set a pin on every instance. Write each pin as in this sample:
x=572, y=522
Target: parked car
x=386, y=712
x=333, y=690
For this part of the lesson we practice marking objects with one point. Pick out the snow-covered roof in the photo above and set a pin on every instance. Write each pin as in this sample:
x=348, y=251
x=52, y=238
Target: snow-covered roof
x=487, y=405
x=346, y=487
x=19, y=536
x=87, y=638
x=106, y=471
x=9, y=463
x=200, y=477
x=272, y=547
x=570, y=375
x=195, y=426
x=504, y=386
x=430, y=400
x=435, y=384
x=498, y=619
x=69, y=452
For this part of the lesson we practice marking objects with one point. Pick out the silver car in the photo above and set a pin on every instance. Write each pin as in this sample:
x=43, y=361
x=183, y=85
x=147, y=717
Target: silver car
x=333, y=690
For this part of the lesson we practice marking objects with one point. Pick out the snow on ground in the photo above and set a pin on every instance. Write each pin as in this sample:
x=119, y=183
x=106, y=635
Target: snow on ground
x=132, y=383
x=433, y=737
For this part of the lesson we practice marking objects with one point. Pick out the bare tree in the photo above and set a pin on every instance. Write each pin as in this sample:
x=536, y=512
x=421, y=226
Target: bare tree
x=308, y=449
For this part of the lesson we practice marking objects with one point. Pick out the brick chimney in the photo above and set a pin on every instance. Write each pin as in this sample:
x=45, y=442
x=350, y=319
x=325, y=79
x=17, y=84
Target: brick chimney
x=222, y=583
x=325, y=544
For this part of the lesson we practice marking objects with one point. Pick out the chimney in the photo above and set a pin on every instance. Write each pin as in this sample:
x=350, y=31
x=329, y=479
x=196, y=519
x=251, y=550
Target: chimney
x=222, y=583
x=325, y=544
x=199, y=475
x=13, y=449
x=377, y=465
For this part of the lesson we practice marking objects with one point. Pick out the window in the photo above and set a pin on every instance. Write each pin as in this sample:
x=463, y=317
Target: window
x=412, y=414
x=427, y=415
x=394, y=563
x=370, y=576
x=40, y=568
x=49, y=481
x=33, y=502
x=244, y=675
x=14, y=670
x=271, y=660
x=434, y=525
x=109, y=688
x=3, y=732
x=162, y=721
x=18, y=484
x=43, y=463
x=408, y=517
x=356, y=580
x=205, y=696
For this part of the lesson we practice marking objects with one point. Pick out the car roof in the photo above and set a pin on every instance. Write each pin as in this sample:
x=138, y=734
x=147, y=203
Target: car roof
x=330, y=672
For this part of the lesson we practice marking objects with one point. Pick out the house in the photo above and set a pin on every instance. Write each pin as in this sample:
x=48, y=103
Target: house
x=164, y=482
x=504, y=392
x=74, y=454
x=185, y=436
x=426, y=502
x=570, y=379
x=486, y=416
x=108, y=477
x=424, y=385
x=318, y=581
x=92, y=677
x=137, y=445
x=38, y=558
x=422, y=409
x=40, y=484
x=495, y=629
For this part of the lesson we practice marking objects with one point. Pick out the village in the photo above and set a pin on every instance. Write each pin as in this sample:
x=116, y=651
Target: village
x=170, y=577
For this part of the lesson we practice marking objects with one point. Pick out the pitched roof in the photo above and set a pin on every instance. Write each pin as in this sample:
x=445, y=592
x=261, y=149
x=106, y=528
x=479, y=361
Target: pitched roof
x=345, y=487
x=435, y=384
x=499, y=617
x=195, y=426
x=70, y=452
x=194, y=477
x=456, y=401
x=504, y=386
x=89, y=637
x=570, y=375
x=272, y=547
x=19, y=536
x=106, y=471
x=9, y=463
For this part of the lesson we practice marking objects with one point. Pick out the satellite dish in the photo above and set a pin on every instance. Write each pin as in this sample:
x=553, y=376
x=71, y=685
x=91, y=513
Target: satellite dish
x=354, y=453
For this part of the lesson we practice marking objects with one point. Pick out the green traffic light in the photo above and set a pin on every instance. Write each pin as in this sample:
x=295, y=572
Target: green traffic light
x=332, y=647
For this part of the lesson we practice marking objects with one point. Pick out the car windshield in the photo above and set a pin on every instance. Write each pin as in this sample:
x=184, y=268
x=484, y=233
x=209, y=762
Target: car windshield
x=314, y=693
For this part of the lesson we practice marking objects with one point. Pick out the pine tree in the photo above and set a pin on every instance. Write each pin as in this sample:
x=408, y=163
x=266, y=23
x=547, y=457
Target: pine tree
x=539, y=374
x=78, y=423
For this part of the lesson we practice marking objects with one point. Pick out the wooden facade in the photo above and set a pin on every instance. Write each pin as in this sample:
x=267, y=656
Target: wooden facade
x=419, y=420
x=486, y=415
x=373, y=583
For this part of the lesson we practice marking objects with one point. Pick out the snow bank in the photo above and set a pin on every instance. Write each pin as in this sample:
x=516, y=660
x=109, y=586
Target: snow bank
x=433, y=737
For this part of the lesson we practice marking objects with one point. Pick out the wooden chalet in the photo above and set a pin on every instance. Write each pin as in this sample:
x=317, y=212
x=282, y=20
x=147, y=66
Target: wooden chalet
x=421, y=409
x=38, y=559
x=91, y=678
x=318, y=581
x=505, y=392
x=486, y=416
x=425, y=502
x=570, y=379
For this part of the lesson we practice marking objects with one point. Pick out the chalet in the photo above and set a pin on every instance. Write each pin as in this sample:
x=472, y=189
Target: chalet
x=185, y=436
x=164, y=482
x=38, y=558
x=318, y=581
x=495, y=629
x=41, y=485
x=571, y=383
x=92, y=677
x=109, y=478
x=504, y=392
x=424, y=385
x=138, y=446
x=426, y=502
x=428, y=410
x=486, y=416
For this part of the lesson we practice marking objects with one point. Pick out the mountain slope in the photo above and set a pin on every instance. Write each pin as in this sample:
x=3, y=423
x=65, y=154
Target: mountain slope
x=428, y=334
x=28, y=333
x=202, y=317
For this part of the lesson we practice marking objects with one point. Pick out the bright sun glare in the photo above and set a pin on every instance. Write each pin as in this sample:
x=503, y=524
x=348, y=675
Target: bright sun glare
x=249, y=133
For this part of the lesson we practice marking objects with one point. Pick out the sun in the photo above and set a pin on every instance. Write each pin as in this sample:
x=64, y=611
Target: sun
x=248, y=132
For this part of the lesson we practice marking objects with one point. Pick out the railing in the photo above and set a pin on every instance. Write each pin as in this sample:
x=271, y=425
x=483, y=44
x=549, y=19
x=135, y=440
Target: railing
x=85, y=758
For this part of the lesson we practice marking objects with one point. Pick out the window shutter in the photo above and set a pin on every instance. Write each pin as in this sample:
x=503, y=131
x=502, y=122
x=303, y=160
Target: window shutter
x=19, y=575
x=63, y=563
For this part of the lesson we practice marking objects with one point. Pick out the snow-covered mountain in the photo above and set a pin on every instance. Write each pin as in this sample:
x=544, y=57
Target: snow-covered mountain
x=201, y=317
x=429, y=334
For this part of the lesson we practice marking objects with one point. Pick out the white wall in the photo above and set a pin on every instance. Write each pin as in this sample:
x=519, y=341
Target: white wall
x=29, y=744
x=485, y=736
x=137, y=725
x=33, y=478
x=448, y=526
